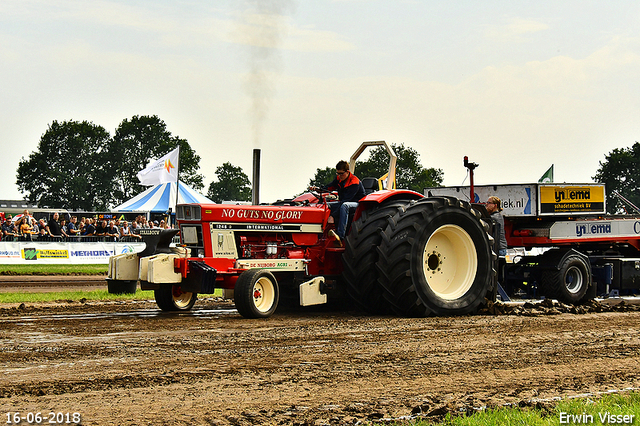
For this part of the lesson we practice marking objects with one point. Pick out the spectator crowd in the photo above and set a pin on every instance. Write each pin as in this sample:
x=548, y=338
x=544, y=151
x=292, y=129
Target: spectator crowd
x=26, y=228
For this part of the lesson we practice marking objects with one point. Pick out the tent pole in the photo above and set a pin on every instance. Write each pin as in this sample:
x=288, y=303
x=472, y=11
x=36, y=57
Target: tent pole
x=175, y=208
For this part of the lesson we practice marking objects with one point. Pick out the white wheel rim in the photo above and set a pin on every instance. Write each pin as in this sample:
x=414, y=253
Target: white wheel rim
x=180, y=298
x=264, y=294
x=450, y=262
x=573, y=280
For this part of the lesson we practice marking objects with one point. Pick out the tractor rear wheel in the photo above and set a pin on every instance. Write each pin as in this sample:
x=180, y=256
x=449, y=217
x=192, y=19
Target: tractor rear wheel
x=256, y=294
x=437, y=259
x=361, y=255
x=171, y=298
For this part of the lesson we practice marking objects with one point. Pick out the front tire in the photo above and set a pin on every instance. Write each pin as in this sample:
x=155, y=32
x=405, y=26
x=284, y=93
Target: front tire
x=437, y=259
x=256, y=294
x=171, y=298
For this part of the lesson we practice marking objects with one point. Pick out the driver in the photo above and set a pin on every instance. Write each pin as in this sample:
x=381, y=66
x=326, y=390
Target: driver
x=350, y=191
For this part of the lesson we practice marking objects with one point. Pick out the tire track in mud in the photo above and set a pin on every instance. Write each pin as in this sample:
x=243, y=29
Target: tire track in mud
x=304, y=366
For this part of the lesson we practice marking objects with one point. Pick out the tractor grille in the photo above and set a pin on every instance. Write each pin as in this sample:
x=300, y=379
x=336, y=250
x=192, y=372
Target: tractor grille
x=192, y=236
x=188, y=212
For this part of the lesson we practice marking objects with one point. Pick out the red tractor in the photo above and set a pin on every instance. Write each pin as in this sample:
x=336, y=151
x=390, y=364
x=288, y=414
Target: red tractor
x=403, y=253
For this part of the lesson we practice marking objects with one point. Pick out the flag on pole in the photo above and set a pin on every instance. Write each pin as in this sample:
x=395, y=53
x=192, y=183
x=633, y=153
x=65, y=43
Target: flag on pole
x=547, y=177
x=162, y=170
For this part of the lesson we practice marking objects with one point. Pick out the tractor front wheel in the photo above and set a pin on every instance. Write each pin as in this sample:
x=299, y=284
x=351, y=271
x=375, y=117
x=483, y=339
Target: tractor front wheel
x=171, y=298
x=256, y=294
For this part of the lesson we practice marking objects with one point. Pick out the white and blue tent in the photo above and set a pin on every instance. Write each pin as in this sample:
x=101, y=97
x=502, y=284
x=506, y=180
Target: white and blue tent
x=159, y=198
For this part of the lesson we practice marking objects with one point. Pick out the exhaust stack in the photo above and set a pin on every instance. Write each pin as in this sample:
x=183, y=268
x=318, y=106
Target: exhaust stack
x=255, y=197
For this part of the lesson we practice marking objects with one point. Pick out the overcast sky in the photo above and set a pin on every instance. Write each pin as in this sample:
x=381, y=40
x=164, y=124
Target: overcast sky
x=514, y=85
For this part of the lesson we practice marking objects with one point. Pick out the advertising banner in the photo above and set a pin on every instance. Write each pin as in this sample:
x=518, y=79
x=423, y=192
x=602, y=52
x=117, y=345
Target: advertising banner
x=534, y=199
x=63, y=252
x=565, y=199
x=593, y=229
x=517, y=199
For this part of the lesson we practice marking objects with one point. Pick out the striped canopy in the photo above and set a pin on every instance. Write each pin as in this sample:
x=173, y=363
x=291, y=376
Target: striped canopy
x=161, y=197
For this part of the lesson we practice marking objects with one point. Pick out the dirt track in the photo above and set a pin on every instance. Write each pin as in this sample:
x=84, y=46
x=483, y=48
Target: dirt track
x=128, y=364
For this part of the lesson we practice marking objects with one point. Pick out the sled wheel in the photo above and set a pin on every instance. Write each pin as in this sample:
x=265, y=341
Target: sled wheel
x=360, y=257
x=172, y=298
x=436, y=259
x=256, y=294
x=121, y=286
x=570, y=282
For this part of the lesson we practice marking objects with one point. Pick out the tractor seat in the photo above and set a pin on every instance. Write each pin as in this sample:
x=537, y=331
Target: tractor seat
x=370, y=185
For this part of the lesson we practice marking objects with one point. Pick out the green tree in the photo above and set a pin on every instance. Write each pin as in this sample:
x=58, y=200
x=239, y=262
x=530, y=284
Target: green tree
x=410, y=174
x=68, y=169
x=232, y=185
x=138, y=141
x=323, y=176
x=619, y=172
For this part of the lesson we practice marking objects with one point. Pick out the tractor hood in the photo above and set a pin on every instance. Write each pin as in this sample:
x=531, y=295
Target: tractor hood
x=268, y=215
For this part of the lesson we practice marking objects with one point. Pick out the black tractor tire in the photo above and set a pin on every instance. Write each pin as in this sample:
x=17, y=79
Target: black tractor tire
x=436, y=258
x=121, y=286
x=361, y=255
x=256, y=294
x=171, y=298
x=569, y=283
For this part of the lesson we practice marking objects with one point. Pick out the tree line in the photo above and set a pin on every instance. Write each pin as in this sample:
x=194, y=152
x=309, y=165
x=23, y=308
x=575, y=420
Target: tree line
x=619, y=173
x=80, y=166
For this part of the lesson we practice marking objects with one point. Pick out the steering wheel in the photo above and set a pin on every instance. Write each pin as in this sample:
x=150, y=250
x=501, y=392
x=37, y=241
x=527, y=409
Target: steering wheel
x=318, y=189
x=321, y=193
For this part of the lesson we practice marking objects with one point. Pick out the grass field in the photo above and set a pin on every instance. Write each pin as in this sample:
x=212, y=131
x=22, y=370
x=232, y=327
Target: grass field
x=74, y=295
x=71, y=294
x=77, y=295
x=619, y=408
x=54, y=269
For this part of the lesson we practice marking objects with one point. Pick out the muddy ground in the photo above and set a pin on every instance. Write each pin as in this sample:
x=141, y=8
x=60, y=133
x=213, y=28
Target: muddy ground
x=128, y=364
